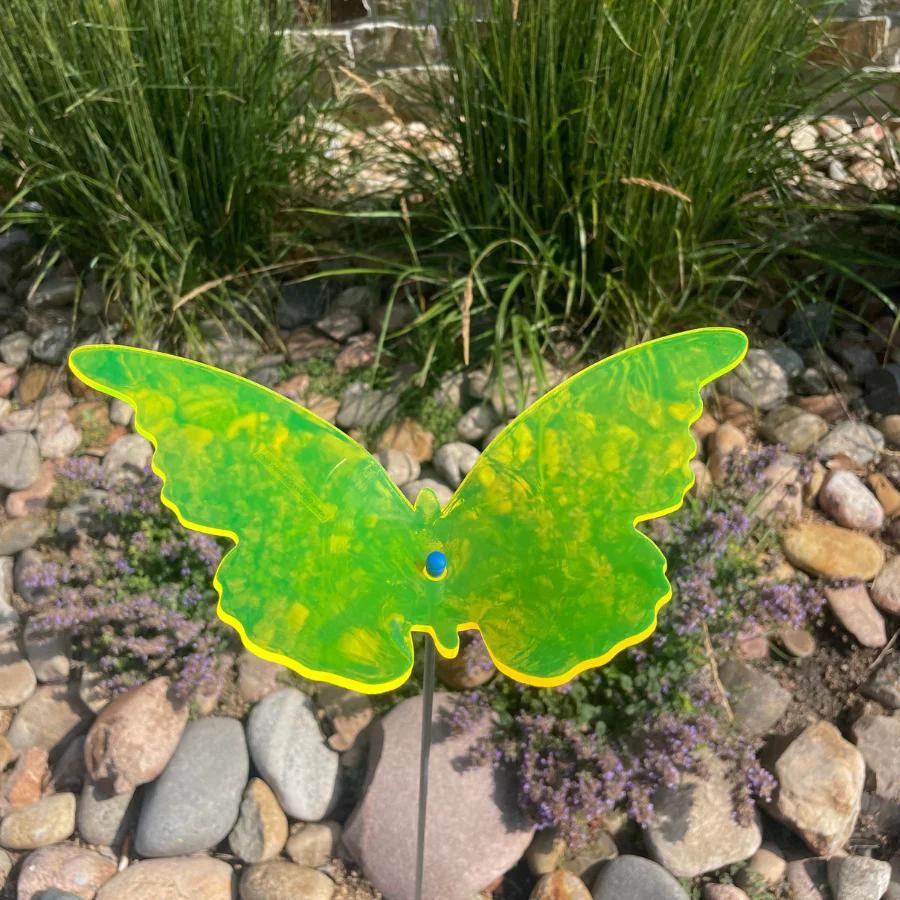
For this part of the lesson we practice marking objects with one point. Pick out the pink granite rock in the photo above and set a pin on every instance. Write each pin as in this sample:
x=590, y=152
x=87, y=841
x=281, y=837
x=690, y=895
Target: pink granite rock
x=459, y=861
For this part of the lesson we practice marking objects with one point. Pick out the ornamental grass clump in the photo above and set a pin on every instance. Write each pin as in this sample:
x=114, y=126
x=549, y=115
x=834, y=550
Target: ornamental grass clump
x=136, y=591
x=606, y=160
x=158, y=142
x=610, y=738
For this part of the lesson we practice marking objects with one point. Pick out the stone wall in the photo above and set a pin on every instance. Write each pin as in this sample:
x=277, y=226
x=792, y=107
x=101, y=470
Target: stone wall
x=378, y=48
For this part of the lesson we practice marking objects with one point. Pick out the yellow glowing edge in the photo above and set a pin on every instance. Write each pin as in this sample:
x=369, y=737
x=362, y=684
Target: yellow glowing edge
x=447, y=653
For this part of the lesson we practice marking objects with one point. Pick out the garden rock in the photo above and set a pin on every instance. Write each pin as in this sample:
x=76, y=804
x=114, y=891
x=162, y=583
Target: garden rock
x=890, y=428
x=49, y=718
x=795, y=428
x=20, y=534
x=33, y=382
x=798, y=642
x=888, y=496
x=723, y=892
x=135, y=736
x=120, y=412
x=560, y=885
x=33, y=500
x=9, y=617
x=313, y=843
x=22, y=786
x=289, y=750
x=8, y=380
x=127, y=458
x=854, y=609
x=349, y=713
x=441, y=491
x=767, y=863
x=272, y=880
x=861, y=443
x=758, y=381
x=808, y=879
x=64, y=868
x=832, y=552
x=20, y=461
x=696, y=831
x=194, y=877
x=878, y=738
x=51, y=344
x=410, y=437
x=302, y=303
x=41, y=824
x=57, y=437
x=17, y=678
x=454, y=461
x=400, y=466
x=257, y=677
x=858, y=877
x=340, y=324
x=15, y=349
x=381, y=831
x=68, y=773
x=261, y=830
x=849, y=502
x=884, y=685
x=820, y=784
x=476, y=423
x=789, y=360
x=886, y=587
x=637, y=879
x=104, y=818
x=364, y=407
x=48, y=654
x=586, y=861
x=782, y=496
x=194, y=803
x=724, y=443
x=757, y=699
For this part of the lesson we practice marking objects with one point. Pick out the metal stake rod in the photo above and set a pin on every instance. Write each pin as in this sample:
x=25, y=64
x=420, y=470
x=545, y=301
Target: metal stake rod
x=424, y=755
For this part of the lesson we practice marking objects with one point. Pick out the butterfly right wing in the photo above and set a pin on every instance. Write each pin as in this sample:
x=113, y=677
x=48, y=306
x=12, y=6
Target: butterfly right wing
x=323, y=578
x=543, y=554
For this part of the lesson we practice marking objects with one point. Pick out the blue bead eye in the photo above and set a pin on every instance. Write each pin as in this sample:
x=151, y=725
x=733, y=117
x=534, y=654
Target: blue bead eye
x=436, y=564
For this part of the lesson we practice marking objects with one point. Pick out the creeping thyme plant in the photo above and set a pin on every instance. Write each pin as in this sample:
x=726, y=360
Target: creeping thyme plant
x=135, y=592
x=611, y=737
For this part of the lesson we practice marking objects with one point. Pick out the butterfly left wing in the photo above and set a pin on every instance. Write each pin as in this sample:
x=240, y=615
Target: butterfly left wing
x=324, y=577
x=543, y=556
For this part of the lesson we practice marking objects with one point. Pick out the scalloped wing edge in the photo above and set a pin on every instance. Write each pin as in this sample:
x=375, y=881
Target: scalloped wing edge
x=227, y=618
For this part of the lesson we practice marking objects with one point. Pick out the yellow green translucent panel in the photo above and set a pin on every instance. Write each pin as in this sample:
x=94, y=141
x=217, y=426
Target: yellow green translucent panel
x=328, y=574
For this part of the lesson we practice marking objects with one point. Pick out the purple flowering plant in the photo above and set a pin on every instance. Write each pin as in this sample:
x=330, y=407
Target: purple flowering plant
x=134, y=589
x=609, y=739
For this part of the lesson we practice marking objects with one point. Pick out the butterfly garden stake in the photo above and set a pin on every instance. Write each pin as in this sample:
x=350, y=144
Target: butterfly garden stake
x=332, y=568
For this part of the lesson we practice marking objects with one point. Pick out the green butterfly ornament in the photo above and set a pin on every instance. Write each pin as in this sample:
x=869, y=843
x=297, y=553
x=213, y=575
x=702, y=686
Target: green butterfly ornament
x=332, y=568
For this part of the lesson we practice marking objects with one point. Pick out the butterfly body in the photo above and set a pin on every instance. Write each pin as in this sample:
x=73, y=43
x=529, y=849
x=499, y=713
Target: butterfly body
x=333, y=568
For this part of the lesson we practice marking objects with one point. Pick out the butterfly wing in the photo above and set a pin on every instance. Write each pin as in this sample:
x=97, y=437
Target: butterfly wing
x=543, y=555
x=323, y=576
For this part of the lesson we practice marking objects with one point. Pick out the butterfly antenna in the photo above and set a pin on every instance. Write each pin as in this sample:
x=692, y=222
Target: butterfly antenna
x=424, y=756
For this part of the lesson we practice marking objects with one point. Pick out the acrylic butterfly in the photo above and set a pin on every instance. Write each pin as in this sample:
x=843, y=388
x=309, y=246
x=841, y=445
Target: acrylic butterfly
x=333, y=568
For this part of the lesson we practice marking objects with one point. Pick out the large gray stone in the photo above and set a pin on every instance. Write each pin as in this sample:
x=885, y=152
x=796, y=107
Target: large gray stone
x=858, y=877
x=194, y=803
x=757, y=699
x=127, y=458
x=20, y=534
x=696, y=829
x=860, y=442
x=758, y=381
x=9, y=617
x=365, y=407
x=104, y=818
x=290, y=752
x=636, y=878
x=849, y=502
x=460, y=859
